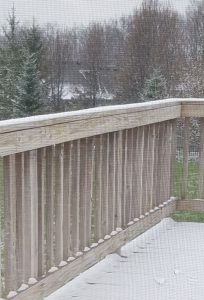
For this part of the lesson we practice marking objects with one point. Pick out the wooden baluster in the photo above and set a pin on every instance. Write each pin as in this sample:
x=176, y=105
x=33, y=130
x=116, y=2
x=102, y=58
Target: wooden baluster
x=31, y=213
x=10, y=223
x=145, y=169
x=135, y=175
x=112, y=181
x=67, y=185
x=156, y=184
x=98, y=186
x=200, y=193
x=89, y=186
x=151, y=166
x=186, y=136
x=105, y=185
x=41, y=210
x=59, y=205
x=140, y=148
x=20, y=219
x=173, y=157
x=50, y=194
x=124, y=180
x=75, y=204
x=119, y=158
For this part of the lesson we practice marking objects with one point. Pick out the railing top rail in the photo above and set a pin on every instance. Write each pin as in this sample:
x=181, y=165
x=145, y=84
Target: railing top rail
x=18, y=135
x=98, y=112
x=57, y=118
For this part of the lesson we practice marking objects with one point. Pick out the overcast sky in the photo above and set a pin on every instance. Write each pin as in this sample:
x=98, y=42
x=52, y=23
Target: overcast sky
x=72, y=12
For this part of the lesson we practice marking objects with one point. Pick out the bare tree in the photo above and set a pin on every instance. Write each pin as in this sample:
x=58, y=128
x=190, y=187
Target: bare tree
x=152, y=42
x=94, y=56
x=59, y=52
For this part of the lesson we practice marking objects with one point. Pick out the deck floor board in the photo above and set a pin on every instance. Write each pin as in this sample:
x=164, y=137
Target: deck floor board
x=166, y=262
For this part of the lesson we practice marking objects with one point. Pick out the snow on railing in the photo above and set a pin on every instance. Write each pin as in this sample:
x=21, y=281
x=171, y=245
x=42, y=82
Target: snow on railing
x=76, y=181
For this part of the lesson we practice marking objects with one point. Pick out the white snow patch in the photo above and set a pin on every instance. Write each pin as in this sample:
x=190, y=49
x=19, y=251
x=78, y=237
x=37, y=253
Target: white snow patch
x=32, y=281
x=101, y=241
x=146, y=214
x=62, y=263
x=12, y=294
x=94, y=245
x=23, y=287
x=113, y=233
x=118, y=229
x=53, y=269
x=142, y=217
x=163, y=263
x=86, y=249
x=151, y=211
x=71, y=258
x=136, y=220
x=107, y=237
x=161, y=205
x=79, y=254
x=130, y=223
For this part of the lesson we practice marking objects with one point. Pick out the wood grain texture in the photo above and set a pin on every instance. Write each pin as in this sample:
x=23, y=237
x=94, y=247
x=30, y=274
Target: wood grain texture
x=50, y=188
x=98, y=187
x=200, y=187
x=75, y=197
x=67, y=177
x=20, y=218
x=41, y=211
x=186, y=135
x=196, y=205
x=33, y=138
x=59, y=204
x=10, y=223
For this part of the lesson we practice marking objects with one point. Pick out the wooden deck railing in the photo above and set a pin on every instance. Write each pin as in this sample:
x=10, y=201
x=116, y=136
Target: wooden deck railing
x=77, y=186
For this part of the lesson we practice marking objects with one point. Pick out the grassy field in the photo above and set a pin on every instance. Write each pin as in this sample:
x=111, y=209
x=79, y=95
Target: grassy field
x=192, y=179
x=186, y=216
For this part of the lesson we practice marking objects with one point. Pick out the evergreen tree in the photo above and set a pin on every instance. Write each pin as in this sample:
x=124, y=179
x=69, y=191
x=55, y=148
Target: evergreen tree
x=34, y=43
x=155, y=87
x=11, y=59
x=30, y=92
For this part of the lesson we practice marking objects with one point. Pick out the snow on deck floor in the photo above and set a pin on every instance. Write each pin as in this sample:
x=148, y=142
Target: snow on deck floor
x=164, y=263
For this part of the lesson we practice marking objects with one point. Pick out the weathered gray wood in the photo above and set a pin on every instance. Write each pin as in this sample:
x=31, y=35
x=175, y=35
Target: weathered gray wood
x=75, y=198
x=53, y=119
x=200, y=192
x=10, y=223
x=145, y=170
x=89, y=186
x=186, y=135
x=41, y=211
x=124, y=179
x=67, y=179
x=135, y=175
x=140, y=148
x=112, y=182
x=28, y=139
x=98, y=188
x=34, y=212
x=50, y=192
x=51, y=283
x=105, y=173
x=59, y=204
x=173, y=157
x=119, y=157
x=196, y=205
x=20, y=218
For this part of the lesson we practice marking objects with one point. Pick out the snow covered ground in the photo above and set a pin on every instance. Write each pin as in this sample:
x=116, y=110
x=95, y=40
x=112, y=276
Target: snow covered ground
x=165, y=263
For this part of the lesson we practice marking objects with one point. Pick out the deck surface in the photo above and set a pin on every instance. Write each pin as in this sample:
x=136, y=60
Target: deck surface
x=164, y=263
